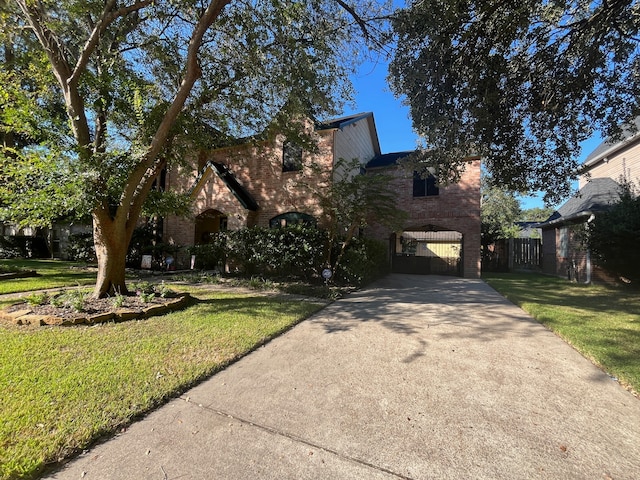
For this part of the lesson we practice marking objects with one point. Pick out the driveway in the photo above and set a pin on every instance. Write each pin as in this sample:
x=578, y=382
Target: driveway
x=416, y=377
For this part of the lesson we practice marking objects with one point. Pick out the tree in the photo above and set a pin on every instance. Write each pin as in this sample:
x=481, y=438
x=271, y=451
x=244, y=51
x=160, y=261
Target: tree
x=536, y=214
x=614, y=235
x=144, y=83
x=354, y=200
x=520, y=83
x=499, y=210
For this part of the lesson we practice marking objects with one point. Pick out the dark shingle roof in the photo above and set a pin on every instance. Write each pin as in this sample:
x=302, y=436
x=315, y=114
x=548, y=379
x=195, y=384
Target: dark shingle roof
x=597, y=195
x=342, y=121
x=232, y=183
x=387, y=159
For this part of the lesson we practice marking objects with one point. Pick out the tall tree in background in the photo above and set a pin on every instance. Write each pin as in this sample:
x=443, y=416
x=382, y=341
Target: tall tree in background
x=520, y=83
x=143, y=82
x=499, y=210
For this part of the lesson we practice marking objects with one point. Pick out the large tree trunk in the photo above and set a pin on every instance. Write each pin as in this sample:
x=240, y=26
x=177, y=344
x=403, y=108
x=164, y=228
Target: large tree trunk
x=111, y=243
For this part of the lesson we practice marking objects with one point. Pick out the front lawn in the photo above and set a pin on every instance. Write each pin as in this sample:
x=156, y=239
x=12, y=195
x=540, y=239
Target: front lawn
x=62, y=388
x=52, y=274
x=601, y=322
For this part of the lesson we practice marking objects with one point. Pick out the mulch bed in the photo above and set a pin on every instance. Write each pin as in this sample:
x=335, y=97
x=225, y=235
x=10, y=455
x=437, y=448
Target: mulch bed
x=94, y=311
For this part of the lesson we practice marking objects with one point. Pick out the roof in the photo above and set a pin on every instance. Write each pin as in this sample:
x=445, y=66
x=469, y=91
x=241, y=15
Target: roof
x=596, y=196
x=342, y=122
x=387, y=159
x=610, y=145
x=229, y=179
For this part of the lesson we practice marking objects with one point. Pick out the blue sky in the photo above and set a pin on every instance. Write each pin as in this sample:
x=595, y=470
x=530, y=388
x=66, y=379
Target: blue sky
x=392, y=118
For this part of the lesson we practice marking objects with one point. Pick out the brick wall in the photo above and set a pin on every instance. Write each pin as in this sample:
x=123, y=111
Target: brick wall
x=259, y=170
x=456, y=208
x=565, y=256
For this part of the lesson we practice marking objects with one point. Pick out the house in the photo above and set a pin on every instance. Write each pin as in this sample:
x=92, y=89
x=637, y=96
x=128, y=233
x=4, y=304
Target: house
x=563, y=251
x=274, y=182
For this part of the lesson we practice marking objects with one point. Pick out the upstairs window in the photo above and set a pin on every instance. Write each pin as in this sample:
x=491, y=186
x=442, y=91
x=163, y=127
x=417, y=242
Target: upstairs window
x=425, y=187
x=291, y=157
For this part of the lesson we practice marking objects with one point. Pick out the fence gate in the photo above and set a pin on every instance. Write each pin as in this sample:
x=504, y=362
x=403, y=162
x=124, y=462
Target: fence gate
x=525, y=253
x=427, y=252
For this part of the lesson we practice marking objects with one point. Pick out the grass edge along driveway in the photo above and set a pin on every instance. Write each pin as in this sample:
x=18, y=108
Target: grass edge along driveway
x=601, y=322
x=63, y=388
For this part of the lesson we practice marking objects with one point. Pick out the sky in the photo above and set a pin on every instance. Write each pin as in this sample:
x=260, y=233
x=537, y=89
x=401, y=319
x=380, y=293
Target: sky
x=393, y=123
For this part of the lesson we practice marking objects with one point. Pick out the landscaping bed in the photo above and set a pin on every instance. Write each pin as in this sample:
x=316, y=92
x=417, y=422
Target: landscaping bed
x=94, y=310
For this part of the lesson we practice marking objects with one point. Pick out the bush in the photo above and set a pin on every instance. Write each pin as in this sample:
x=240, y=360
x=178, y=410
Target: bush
x=142, y=243
x=9, y=247
x=210, y=255
x=292, y=251
x=22, y=246
x=614, y=236
x=364, y=261
x=81, y=248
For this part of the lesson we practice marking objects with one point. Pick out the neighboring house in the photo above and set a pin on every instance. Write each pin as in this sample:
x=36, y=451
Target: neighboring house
x=614, y=159
x=564, y=253
x=275, y=183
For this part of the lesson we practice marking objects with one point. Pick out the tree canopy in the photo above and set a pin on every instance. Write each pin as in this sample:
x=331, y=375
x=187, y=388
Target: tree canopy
x=143, y=83
x=499, y=210
x=520, y=83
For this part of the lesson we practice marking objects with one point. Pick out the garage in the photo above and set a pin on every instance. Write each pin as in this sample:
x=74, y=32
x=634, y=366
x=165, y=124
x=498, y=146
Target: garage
x=427, y=252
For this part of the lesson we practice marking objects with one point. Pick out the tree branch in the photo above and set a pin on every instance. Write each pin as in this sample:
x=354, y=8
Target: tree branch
x=133, y=194
x=107, y=18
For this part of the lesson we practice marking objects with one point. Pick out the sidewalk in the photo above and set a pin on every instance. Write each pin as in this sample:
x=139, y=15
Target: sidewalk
x=416, y=377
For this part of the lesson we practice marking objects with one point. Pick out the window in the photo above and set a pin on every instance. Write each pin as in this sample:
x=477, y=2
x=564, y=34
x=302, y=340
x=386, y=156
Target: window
x=291, y=157
x=292, y=218
x=425, y=187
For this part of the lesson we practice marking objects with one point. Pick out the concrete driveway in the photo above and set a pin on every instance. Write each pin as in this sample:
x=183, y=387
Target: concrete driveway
x=419, y=377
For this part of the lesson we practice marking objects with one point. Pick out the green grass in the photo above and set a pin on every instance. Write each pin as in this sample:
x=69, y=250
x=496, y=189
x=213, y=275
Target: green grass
x=601, y=322
x=53, y=274
x=62, y=388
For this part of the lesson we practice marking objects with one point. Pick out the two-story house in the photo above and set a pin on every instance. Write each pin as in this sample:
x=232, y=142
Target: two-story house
x=275, y=182
x=564, y=253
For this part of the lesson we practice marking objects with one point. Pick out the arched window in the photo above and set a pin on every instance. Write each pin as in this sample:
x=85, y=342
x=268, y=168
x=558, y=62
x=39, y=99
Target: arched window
x=292, y=218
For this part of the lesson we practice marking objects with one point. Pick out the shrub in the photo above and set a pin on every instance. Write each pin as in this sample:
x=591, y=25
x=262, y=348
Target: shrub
x=292, y=251
x=81, y=248
x=15, y=246
x=365, y=260
x=614, y=235
x=210, y=255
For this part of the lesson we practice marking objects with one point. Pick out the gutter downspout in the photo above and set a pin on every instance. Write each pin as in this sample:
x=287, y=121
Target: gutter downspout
x=588, y=255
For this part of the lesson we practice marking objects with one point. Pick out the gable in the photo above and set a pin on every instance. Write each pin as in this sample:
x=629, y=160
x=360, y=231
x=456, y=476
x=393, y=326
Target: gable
x=230, y=181
x=355, y=136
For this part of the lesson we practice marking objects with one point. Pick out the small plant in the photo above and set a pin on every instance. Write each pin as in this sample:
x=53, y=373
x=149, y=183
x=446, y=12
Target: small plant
x=57, y=301
x=147, y=297
x=258, y=283
x=118, y=300
x=164, y=290
x=75, y=299
x=36, y=299
x=143, y=288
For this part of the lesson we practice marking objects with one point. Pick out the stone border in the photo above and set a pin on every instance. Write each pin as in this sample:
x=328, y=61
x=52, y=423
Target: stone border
x=28, y=317
x=23, y=274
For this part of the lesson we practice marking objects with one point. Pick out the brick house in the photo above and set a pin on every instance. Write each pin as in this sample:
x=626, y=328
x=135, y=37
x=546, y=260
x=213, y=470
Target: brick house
x=274, y=182
x=563, y=252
